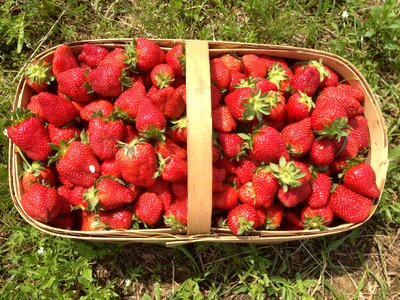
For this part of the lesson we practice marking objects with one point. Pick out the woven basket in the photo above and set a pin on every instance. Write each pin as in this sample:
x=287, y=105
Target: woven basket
x=199, y=146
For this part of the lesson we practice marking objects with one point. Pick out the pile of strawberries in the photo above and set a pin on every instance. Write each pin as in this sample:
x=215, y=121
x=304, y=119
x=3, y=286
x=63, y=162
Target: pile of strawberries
x=103, y=140
x=290, y=142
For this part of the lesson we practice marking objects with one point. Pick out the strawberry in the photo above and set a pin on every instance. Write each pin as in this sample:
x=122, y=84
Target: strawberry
x=163, y=190
x=180, y=190
x=74, y=196
x=130, y=99
x=231, y=63
x=216, y=96
x=29, y=134
x=316, y=218
x=170, y=101
x=350, y=206
x=354, y=91
x=36, y=172
x=119, y=218
x=330, y=78
x=91, y=55
x=74, y=84
x=242, y=219
x=138, y=163
x=236, y=79
x=148, y=54
x=103, y=136
x=362, y=180
x=108, y=80
x=63, y=60
x=41, y=203
x=280, y=76
x=67, y=133
x=76, y=163
x=225, y=200
x=298, y=137
x=179, y=129
x=273, y=216
x=56, y=110
x=150, y=121
x=246, y=169
x=346, y=147
x=222, y=119
x=38, y=75
x=162, y=75
x=256, y=83
x=320, y=191
x=66, y=221
x=220, y=75
x=247, y=194
x=176, y=215
x=298, y=107
x=265, y=187
x=271, y=61
x=34, y=106
x=266, y=145
x=118, y=57
x=173, y=168
x=218, y=178
x=307, y=80
x=229, y=165
x=108, y=194
x=292, y=220
x=322, y=152
x=253, y=65
x=105, y=106
x=90, y=222
x=176, y=59
x=168, y=148
x=276, y=116
x=231, y=144
x=130, y=133
x=359, y=129
x=110, y=168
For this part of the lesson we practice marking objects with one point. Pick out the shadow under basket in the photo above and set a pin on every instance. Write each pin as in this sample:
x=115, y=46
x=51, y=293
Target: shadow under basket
x=199, y=229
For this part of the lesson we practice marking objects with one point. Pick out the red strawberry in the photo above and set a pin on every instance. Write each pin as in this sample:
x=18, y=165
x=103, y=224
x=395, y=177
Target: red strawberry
x=57, y=134
x=271, y=61
x=280, y=76
x=176, y=215
x=173, y=168
x=276, y=115
x=350, y=206
x=229, y=165
x=320, y=191
x=148, y=54
x=119, y=218
x=359, y=129
x=102, y=105
x=180, y=190
x=322, y=152
x=162, y=75
x=35, y=173
x=34, y=106
x=179, y=129
x=354, y=91
x=273, y=216
x=168, y=148
x=66, y=221
x=253, y=65
x=247, y=194
x=169, y=101
x=56, y=110
x=231, y=63
x=231, y=144
x=73, y=196
x=330, y=78
x=256, y=83
x=236, y=79
x=346, y=147
x=38, y=75
x=222, y=119
x=74, y=84
x=216, y=96
x=76, y=164
x=138, y=163
x=108, y=194
x=150, y=121
x=298, y=137
x=227, y=199
x=63, y=60
x=220, y=75
x=242, y=219
x=29, y=134
x=292, y=220
x=91, y=55
x=162, y=189
x=130, y=99
x=110, y=168
x=316, y=218
x=246, y=169
x=130, y=133
x=41, y=203
x=117, y=58
x=90, y=222
x=362, y=180
x=176, y=59
x=307, y=80
x=298, y=107
x=103, y=135
x=265, y=187
x=108, y=80
x=218, y=179
x=266, y=145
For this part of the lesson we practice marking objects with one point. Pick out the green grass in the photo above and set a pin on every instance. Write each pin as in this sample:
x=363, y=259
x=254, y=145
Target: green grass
x=360, y=264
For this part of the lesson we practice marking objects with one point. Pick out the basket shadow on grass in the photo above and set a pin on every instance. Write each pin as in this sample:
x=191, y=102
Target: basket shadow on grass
x=337, y=264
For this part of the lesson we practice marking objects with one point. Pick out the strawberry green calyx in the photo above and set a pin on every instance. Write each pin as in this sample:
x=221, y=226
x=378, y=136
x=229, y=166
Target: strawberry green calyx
x=163, y=80
x=277, y=74
x=153, y=134
x=244, y=226
x=334, y=130
x=119, y=114
x=130, y=148
x=161, y=165
x=125, y=80
x=272, y=98
x=60, y=149
x=222, y=223
x=182, y=61
x=255, y=106
x=351, y=162
x=247, y=82
x=316, y=222
x=39, y=72
x=131, y=56
x=20, y=114
x=287, y=173
x=33, y=168
x=307, y=100
x=179, y=124
x=92, y=199
x=171, y=221
x=136, y=223
x=323, y=73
